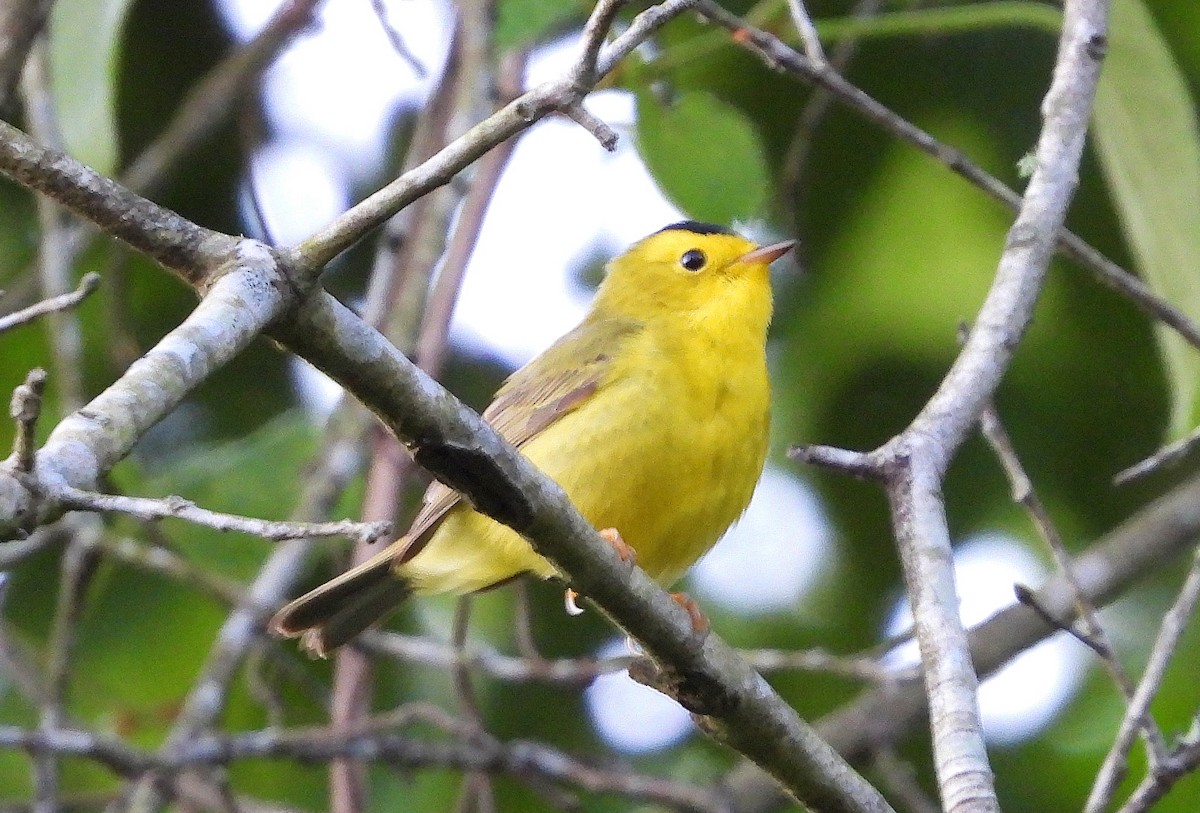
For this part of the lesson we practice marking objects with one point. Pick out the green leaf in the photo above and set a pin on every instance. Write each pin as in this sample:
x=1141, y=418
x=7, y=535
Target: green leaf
x=85, y=52
x=705, y=155
x=253, y=476
x=1149, y=148
x=521, y=22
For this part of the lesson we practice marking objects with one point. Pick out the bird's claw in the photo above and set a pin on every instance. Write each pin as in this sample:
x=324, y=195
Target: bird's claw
x=700, y=624
x=613, y=537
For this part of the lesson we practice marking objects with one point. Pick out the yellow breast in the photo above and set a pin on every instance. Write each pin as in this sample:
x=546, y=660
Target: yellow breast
x=668, y=447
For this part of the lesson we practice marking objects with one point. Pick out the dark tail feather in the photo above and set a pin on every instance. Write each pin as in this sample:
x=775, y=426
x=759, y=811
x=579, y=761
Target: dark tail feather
x=332, y=614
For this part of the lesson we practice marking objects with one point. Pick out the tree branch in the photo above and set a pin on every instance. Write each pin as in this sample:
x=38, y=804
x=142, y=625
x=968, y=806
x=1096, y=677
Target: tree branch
x=375, y=741
x=734, y=702
x=349, y=227
x=777, y=55
x=1146, y=543
x=87, y=286
x=76, y=499
x=20, y=23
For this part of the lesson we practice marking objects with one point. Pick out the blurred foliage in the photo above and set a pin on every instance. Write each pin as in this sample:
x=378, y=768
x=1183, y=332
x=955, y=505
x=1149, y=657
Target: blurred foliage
x=896, y=251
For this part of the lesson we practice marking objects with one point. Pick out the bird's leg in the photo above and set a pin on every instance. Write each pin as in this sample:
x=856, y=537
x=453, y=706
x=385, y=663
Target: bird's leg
x=700, y=623
x=626, y=554
x=613, y=537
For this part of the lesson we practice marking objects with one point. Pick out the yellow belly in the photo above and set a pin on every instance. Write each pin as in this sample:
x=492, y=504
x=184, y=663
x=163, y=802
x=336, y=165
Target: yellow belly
x=667, y=457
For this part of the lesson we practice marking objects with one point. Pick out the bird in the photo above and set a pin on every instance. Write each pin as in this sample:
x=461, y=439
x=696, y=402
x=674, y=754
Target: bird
x=652, y=414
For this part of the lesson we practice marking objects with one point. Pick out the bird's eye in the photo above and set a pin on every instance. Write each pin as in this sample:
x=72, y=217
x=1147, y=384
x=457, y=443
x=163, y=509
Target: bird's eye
x=693, y=260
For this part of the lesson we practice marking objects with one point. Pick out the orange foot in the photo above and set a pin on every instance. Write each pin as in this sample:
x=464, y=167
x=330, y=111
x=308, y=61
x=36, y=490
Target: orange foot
x=613, y=537
x=627, y=555
x=700, y=623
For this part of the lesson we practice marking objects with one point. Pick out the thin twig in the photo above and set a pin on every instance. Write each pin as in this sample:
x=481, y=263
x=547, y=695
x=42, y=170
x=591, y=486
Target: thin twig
x=76, y=499
x=25, y=408
x=606, y=135
x=78, y=567
x=89, y=283
x=376, y=742
x=795, y=161
x=1116, y=762
x=308, y=258
x=1168, y=455
x=63, y=331
x=599, y=23
x=778, y=55
x=207, y=106
x=861, y=465
x=397, y=42
x=1184, y=760
x=900, y=778
x=808, y=33
x=1028, y=596
x=20, y=23
x=1092, y=630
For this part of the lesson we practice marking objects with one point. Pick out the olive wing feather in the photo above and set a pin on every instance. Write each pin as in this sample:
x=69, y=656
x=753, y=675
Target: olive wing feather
x=533, y=398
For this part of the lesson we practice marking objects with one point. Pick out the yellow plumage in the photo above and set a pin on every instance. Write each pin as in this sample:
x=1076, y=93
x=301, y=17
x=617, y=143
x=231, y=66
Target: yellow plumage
x=652, y=415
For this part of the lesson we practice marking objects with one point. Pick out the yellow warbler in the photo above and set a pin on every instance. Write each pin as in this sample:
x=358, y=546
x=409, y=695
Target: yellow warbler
x=652, y=415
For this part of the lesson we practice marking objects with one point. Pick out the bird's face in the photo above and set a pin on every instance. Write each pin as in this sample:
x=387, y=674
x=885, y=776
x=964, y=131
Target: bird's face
x=687, y=270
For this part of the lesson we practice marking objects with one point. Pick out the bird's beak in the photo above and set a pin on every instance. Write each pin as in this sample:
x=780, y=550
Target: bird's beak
x=767, y=254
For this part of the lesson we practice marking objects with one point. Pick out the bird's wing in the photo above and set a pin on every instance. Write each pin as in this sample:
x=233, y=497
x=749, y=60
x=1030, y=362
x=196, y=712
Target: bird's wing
x=530, y=401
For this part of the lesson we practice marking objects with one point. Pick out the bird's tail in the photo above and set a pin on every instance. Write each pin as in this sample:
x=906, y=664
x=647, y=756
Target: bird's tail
x=332, y=614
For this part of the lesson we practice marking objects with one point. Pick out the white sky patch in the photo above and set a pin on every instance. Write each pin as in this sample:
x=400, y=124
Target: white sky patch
x=561, y=198
x=631, y=717
x=340, y=83
x=1022, y=698
x=300, y=188
x=776, y=552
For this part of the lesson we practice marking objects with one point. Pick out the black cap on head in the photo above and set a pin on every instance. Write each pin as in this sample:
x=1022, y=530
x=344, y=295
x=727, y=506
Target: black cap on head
x=696, y=227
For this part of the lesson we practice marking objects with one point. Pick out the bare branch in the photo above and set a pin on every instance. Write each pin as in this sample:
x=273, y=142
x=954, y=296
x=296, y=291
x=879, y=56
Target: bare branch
x=1146, y=543
x=916, y=460
x=397, y=42
x=376, y=742
x=594, y=31
x=20, y=23
x=87, y=285
x=349, y=227
x=179, y=244
x=1185, y=759
x=579, y=114
x=1027, y=596
x=861, y=465
x=25, y=408
x=1168, y=455
x=808, y=33
x=76, y=499
x=208, y=104
x=1093, y=631
x=1116, y=762
x=777, y=55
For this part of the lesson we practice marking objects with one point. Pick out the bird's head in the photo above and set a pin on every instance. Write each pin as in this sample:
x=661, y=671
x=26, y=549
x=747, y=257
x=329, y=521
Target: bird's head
x=690, y=270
